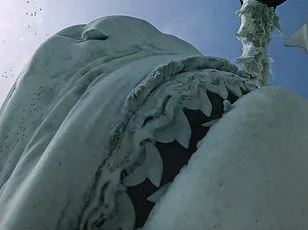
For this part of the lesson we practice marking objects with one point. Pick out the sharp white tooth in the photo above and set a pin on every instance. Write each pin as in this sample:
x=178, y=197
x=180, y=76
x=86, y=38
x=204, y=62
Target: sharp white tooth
x=205, y=103
x=210, y=123
x=142, y=134
x=126, y=214
x=219, y=89
x=158, y=122
x=212, y=88
x=234, y=88
x=154, y=163
x=191, y=103
x=158, y=194
x=242, y=86
x=183, y=131
x=165, y=134
x=170, y=107
x=250, y=86
x=137, y=176
x=223, y=92
x=227, y=106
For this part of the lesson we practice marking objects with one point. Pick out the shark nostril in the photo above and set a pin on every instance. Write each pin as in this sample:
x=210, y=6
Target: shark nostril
x=94, y=34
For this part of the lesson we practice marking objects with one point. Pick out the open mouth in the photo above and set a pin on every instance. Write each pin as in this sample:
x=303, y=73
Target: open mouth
x=175, y=156
x=169, y=114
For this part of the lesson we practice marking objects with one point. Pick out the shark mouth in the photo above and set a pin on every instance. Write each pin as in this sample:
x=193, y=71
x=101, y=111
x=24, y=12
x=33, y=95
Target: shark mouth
x=175, y=156
x=168, y=115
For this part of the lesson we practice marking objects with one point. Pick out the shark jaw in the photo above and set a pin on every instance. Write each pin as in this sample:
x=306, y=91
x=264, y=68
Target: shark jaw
x=169, y=112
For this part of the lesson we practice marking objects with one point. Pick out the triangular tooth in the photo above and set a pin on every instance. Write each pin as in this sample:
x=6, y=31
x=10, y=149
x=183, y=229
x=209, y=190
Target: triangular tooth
x=154, y=163
x=158, y=122
x=191, y=103
x=158, y=194
x=126, y=214
x=219, y=89
x=223, y=92
x=205, y=103
x=142, y=134
x=235, y=89
x=250, y=86
x=227, y=105
x=212, y=88
x=182, y=132
x=164, y=134
x=242, y=86
x=170, y=107
x=137, y=176
x=210, y=123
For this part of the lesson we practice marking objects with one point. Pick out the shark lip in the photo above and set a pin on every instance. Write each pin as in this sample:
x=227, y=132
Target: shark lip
x=164, y=118
x=175, y=157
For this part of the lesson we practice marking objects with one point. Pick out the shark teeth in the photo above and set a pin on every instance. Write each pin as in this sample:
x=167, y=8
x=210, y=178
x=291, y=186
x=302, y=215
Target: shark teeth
x=191, y=103
x=183, y=131
x=154, y=163
x=206, y=105
x=242, y=86
x=250, y=86
x=235, y=89
x=201, y=103
x=165, y=134
x=219, y=89
x=178, y=130
x=155, y=197
x=151, y=168
x=227, y=106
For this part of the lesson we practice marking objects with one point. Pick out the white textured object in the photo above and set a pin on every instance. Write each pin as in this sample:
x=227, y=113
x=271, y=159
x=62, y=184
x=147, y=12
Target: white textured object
x=249, y=172
x=80, y=122
x=79, y=127
x=299, y=38
x=258, y=21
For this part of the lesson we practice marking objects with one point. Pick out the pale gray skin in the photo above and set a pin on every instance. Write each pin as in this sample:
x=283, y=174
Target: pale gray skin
x=75, y=130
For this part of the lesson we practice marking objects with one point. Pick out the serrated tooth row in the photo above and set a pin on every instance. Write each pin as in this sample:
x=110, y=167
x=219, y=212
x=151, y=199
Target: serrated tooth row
x=220, y=90
x=235, y=89
x=158, y=194
x=151, y=168
x=191, y=103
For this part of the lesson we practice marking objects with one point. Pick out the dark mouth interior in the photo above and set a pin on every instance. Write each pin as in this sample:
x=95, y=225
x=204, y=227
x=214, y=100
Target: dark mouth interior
x=174, y=157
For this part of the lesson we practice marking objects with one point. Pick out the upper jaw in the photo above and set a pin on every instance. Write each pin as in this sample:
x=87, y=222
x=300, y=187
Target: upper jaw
x=155, y=109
